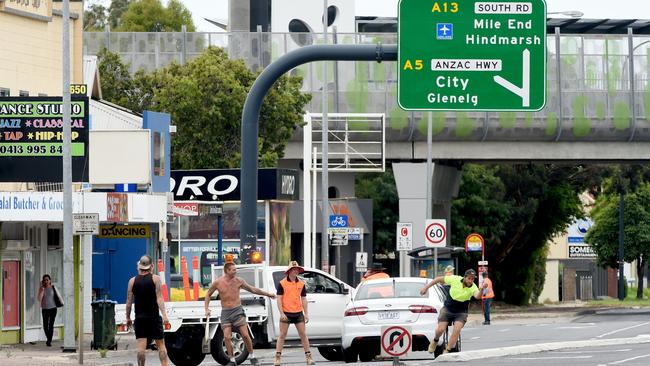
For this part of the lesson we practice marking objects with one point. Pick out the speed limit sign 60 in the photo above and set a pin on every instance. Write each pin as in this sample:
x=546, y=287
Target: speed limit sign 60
x=436, y=233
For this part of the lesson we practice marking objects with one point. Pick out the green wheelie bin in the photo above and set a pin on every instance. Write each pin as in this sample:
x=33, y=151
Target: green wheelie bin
x=103, y=325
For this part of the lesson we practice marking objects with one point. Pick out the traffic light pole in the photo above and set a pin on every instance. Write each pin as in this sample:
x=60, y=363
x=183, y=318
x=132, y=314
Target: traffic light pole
x=251, y=113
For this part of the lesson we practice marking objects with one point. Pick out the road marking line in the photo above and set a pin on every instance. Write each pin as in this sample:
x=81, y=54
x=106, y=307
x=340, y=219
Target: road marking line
x=628, y=359
x=504, y=330
x=576, y=327
x=473, y=338
x=603, y=351
x=623, y=329
x=551, y=358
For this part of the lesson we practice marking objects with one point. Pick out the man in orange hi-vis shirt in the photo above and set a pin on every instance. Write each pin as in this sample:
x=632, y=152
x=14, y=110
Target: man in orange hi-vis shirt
x=375, y=271
x=488, y=296
x=292, y=304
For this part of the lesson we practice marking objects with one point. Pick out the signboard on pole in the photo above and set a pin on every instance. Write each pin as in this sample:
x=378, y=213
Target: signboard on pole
x=395, y=340
x=85, y=223
x=362, y=262
x=338, y=220
x=482, y=268
x=338, y=236
x=435, y=232
x=472, y=55
x=474, y=243
x=404, y=236
x=355, y=233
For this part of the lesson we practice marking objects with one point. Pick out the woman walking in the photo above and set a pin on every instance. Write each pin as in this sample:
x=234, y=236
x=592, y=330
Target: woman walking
x=49, y=299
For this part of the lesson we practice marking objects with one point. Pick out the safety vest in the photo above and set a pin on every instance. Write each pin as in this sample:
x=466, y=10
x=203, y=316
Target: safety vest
x=291, y=295
x=488, y=293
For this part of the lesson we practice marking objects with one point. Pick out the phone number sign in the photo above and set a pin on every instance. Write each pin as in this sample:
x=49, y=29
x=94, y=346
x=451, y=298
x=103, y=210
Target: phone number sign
x=31, y=139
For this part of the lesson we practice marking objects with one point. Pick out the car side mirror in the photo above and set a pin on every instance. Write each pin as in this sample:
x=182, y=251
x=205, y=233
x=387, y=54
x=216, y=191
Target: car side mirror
x=345, y=290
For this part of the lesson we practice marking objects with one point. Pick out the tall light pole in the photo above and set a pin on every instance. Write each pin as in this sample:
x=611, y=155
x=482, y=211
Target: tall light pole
x=325, y=248
x=68, y=261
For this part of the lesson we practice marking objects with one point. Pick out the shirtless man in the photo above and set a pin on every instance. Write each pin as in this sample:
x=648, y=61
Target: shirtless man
x=232, y=312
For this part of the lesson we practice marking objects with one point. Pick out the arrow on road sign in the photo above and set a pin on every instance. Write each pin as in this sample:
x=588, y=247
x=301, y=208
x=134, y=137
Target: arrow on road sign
x=524, y=91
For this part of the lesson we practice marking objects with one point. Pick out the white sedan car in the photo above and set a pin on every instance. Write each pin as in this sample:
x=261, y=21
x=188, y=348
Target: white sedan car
x=390, y=301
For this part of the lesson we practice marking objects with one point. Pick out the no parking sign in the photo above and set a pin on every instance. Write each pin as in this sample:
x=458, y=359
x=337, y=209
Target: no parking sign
x=396, y=341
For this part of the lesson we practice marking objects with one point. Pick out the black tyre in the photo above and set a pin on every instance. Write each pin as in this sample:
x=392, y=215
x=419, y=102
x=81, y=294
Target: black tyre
x=218, y=347
x=184, y=349
x=366, y=355
x=331, y=353
x=350, y=355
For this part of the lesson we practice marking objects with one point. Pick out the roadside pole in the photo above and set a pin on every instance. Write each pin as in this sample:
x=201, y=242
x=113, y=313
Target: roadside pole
x=325, y=250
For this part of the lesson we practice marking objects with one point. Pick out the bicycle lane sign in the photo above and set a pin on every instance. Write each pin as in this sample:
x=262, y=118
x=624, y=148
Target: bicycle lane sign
x=396, y=341
x=338, y=220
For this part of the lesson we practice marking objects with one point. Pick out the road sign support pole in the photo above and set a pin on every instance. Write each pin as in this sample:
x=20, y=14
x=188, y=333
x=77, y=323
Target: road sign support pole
x=253, y=106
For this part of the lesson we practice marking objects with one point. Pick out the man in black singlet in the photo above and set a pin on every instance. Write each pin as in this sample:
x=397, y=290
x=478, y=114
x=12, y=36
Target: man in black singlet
x=145, y=290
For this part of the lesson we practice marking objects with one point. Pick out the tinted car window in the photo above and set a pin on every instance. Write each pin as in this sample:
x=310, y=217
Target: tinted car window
x=389, y=290
x=315, y=283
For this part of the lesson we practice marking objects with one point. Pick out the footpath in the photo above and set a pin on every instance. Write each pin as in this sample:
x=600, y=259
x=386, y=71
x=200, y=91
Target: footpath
x=37, y=354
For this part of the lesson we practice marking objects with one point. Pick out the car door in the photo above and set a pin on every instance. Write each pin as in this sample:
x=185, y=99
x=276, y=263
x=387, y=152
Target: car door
x=326, y=302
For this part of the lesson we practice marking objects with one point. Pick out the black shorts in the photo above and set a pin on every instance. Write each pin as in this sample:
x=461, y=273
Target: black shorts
x=450, y=317
x=151, y=328
x=295, y=318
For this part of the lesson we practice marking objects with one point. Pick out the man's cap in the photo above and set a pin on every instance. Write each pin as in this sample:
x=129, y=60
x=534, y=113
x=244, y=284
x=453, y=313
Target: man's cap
x=292, y=265
x=470, y=272
x=449, y=268
x=376, y=266
x=144, y=264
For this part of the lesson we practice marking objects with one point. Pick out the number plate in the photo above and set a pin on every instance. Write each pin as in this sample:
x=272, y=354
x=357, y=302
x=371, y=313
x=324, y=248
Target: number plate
x=388, y=315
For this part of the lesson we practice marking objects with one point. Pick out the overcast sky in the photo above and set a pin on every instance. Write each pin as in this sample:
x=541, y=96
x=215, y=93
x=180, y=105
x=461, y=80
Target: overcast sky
x=619, y=9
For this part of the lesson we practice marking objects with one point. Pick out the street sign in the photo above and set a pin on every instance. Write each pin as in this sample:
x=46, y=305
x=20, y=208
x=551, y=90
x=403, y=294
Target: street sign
x=85, y=223
x=474, y=243
x=338, y=236
x=355, y=233
x=472, y=55
x=404, y=236
x=482, y=263
x=435, y=232
x=395, y=341
x=338, y=220
x=362, y=262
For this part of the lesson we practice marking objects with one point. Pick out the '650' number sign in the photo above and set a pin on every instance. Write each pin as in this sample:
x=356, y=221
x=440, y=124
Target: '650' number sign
x=436, y=233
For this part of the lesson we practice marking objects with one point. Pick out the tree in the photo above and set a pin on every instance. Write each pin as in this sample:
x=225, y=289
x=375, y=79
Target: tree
x=95, y=18
x=115, y=12
x=516, y=208
x=115, y=79
x=152, y=16
x=603, y=235
x=205, y=98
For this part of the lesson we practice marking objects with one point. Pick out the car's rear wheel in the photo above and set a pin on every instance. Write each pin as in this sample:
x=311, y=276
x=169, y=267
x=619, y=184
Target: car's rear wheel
x=218, y=347
x=184, y=347
x=350, y=355
x=366, y=355
x=331, y=353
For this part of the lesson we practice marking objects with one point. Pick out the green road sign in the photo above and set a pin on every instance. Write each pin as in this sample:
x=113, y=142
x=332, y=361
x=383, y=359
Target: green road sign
x=472, y=55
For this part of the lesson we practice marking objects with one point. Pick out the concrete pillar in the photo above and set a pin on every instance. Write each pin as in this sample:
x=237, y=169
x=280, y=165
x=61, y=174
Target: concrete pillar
x=411, y=182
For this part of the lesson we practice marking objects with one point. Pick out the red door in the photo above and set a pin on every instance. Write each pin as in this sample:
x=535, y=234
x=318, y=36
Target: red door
x=10, y=293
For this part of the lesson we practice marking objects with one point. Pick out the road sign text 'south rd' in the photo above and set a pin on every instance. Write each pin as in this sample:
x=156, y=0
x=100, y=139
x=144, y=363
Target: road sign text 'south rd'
x=472, y=55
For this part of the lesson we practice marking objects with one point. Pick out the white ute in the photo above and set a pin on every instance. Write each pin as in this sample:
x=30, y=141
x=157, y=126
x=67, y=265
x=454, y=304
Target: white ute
x=327, y=297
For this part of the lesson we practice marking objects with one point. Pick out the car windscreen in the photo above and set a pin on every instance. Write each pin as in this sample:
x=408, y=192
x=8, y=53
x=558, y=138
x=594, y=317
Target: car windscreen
x=394, y=289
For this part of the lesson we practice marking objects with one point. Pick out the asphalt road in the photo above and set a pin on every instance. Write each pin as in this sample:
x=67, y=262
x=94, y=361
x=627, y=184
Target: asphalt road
x=477, y=339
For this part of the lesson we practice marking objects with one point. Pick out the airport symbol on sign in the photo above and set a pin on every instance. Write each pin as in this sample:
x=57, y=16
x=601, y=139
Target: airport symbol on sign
x=395, y=341
x=445, y=31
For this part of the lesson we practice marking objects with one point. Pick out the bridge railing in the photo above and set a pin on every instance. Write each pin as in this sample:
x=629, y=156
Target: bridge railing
x=593, y=85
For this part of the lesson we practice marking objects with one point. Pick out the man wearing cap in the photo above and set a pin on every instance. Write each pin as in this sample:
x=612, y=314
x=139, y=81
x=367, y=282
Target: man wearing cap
x=449, y=270
x=375, y=271
x=461, y=291
x=145, y=289
x=292, y=304
x=232, y=311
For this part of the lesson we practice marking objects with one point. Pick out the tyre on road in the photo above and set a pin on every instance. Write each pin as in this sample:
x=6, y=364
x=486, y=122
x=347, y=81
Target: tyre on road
x=331, y=353
x=218, y=347
x=184, y=347
x=350, y=355
x=366, y=355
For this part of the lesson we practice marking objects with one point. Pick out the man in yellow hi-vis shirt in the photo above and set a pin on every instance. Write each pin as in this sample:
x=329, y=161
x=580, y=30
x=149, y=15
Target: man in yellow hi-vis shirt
x=461, y=291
